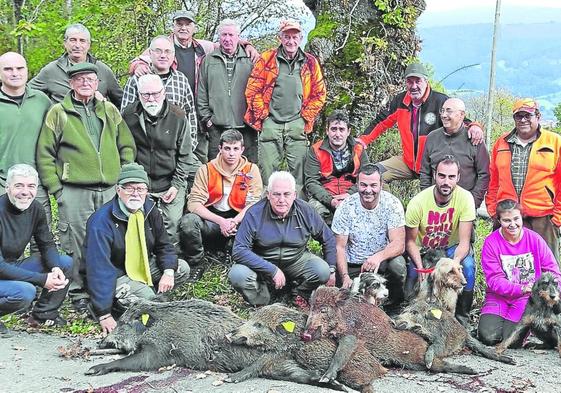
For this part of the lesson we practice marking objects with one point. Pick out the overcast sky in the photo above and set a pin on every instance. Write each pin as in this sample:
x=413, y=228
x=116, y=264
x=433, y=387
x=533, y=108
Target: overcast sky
x=445, y=5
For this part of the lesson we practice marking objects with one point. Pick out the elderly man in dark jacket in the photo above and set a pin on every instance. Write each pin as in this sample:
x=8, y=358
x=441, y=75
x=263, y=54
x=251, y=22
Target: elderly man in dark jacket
x=161, y=134
x=128, y=252
x=270, y=249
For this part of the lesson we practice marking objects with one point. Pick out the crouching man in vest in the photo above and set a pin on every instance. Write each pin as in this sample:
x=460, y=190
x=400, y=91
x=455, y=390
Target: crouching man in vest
x=223, y=190
x=332, y=165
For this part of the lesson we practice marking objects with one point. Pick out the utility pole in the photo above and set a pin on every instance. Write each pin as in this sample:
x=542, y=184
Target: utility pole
x=492, y=73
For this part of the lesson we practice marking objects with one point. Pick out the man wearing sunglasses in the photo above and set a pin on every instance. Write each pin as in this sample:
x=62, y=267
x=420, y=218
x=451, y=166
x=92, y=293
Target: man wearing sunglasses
x=163, y=142
x=128, y=252
x=81, y=147
x=526, y=167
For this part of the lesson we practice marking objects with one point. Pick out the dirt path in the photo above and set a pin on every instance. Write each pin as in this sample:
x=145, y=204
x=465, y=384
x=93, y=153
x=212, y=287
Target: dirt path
x=31, y=363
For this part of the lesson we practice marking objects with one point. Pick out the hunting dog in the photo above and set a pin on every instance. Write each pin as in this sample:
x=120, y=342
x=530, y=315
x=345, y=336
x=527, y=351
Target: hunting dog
x=542, y=316
x=444, y=284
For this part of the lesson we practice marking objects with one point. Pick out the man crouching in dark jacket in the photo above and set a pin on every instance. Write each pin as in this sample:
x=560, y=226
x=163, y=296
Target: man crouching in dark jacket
x=127, y=249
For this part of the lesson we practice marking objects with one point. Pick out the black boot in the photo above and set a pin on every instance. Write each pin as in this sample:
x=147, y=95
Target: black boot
x=463, y=307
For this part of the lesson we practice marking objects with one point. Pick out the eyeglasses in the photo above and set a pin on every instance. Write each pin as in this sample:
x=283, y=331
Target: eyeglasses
x=155, y=95
x=447, y=111
x=523, y=116
x=131, y=190
x=82, y=80
x=158, y=51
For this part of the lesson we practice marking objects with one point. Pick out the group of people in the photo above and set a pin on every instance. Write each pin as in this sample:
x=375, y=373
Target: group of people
x=151, y=177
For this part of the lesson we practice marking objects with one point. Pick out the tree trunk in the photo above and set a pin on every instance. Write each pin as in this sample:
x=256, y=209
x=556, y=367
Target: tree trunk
x=364, y=47
x=18, y=4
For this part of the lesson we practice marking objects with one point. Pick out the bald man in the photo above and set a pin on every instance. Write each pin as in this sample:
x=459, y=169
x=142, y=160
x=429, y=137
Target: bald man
x=22, y=111
x=452, y=139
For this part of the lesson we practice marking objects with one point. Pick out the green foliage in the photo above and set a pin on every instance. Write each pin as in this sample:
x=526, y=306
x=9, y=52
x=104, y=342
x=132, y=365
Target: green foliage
x=483, y=227
x=325, y=25
x=557, y=112
x=392, y=15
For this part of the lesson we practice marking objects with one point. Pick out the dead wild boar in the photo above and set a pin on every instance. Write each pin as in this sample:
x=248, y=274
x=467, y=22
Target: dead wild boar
x=191, y=333
x=187, y=333
x=334, y=313
x=277, y=328
x=442, y=330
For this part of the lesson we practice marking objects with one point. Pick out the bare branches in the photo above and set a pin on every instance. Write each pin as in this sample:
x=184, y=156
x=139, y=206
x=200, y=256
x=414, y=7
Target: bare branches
x=348, y=27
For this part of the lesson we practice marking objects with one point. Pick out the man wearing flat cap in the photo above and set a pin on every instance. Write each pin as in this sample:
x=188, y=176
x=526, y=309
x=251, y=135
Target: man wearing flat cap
x=285, y=93
x=81, y=147
x=128, y=253
x=416, y=111
x=526, y=167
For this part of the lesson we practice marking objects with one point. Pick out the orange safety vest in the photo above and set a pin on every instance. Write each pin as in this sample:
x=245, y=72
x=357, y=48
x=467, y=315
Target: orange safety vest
x=341, y=184
x=238, y=194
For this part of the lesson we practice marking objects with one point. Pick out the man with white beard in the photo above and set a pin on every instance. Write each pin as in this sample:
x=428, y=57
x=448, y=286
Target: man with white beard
x=128, y=252
x=161, y=133
x=21, y=218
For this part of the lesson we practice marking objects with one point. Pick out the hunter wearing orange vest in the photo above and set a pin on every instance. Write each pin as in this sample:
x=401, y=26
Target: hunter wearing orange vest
x=223, y=190
x=332, y=165
x=526, y=167
x=285, y=93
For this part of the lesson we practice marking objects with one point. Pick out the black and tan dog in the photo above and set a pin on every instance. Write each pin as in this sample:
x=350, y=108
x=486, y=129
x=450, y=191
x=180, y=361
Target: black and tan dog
x=542, y=316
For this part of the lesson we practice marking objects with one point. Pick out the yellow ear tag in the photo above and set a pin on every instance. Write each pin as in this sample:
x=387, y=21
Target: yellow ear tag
x=289, y=326
x=144, y=319
x=436, y=313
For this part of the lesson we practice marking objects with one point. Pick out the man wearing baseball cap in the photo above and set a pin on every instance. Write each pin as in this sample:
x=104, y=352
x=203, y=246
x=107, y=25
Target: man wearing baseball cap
x=285, y=93
x=417, y=113
x=128, y=252
x=526, y=167
x=80, y=150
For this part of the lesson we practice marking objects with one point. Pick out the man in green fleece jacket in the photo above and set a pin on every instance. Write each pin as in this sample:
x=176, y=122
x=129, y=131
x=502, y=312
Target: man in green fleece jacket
x=82, y=145
x=22, y=111
x=52, y=79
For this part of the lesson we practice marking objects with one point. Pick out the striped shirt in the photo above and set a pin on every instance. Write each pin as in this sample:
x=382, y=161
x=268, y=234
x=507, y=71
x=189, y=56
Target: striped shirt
x=519, y=163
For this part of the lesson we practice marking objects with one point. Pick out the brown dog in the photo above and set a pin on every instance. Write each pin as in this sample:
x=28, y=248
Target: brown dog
x=443, y=285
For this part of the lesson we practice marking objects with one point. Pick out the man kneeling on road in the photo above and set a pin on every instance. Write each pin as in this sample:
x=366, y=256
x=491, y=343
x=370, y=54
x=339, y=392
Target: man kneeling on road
x=128, y=251
x=370, y=232
x=271, y=246
x=22, y=217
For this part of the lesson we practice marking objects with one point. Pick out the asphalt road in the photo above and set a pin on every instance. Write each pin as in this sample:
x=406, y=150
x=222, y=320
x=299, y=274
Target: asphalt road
x=30, y=362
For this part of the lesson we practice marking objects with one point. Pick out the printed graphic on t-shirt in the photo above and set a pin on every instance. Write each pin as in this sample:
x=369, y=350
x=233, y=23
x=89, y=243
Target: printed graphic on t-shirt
x=439, y=228
x=519, y=269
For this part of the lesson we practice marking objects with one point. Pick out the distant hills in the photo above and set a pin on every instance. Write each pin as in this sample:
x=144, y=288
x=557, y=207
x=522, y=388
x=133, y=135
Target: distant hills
x=528, y=56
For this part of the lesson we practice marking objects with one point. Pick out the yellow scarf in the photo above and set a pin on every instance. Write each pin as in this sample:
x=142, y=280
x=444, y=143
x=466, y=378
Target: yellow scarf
x=136, y=252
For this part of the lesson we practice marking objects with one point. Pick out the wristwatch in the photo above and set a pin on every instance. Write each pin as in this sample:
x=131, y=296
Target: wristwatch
x=331, y=269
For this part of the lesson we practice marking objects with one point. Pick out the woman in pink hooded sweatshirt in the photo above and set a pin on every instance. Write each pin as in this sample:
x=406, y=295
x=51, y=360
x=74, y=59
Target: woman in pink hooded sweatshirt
x=512, y=258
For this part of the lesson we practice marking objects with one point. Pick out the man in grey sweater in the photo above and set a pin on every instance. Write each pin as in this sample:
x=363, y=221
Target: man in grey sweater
x=452, y=139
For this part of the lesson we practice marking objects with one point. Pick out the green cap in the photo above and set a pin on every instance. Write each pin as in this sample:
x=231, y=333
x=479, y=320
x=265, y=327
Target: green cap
x=184, y=14
x=132, y=173
x=416, y=69
x=81, y=68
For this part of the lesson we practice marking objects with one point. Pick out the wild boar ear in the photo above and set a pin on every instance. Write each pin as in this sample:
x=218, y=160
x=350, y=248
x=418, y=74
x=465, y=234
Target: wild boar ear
x=344, y=294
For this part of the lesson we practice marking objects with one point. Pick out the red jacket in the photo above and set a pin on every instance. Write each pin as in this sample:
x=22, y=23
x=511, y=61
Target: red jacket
x=336, y=185
x=399, y=111
x=541, y=194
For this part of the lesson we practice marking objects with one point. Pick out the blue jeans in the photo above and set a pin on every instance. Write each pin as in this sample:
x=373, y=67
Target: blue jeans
x=18, y=295
x=468, y=268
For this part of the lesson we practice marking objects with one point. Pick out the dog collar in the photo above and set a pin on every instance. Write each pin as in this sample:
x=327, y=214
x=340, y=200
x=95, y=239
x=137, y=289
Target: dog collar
x=429, y=270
